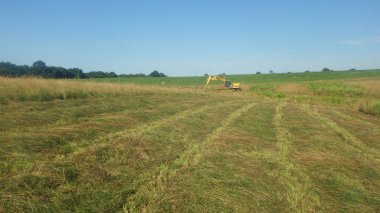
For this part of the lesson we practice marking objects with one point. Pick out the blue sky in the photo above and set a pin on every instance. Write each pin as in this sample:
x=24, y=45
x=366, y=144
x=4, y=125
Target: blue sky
x=182, y=38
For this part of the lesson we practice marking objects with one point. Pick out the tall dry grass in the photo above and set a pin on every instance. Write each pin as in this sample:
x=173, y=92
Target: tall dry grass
x=371, y=104
x=37, y=89
x=371, y=85
x=293, y=88
x=371, y=107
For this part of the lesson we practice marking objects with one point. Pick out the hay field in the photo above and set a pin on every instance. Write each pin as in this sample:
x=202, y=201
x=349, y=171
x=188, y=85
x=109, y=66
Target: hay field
x=74, y=146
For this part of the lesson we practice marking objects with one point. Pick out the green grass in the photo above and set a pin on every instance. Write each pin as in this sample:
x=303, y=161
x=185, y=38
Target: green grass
x=274, y=147
x=247, y=78
x=335, y=87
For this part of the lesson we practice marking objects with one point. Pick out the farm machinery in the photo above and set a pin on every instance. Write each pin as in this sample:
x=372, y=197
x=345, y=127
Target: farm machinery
x=228, y=84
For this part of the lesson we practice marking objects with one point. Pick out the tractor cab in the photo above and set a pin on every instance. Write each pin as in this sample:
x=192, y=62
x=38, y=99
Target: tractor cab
x=227, y=83
x=230, y=85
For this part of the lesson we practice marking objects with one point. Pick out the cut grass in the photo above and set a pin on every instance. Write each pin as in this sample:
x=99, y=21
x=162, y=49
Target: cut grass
x=56, y=169
x=367, y=132
x=301, y=194
x=209, y=184
x=152, y=191
x=364, y=150
x=134, y=158
x=156, y=149
x=224, y=175
x=331, y=158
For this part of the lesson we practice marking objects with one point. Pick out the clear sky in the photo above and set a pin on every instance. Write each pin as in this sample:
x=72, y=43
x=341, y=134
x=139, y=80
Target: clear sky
x=189, y=37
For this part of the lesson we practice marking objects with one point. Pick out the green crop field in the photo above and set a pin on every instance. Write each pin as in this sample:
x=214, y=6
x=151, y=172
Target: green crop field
x=307, y=142
x=248, y=79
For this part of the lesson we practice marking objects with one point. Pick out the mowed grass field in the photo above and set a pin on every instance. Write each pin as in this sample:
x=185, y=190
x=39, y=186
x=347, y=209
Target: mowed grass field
x=277, y=146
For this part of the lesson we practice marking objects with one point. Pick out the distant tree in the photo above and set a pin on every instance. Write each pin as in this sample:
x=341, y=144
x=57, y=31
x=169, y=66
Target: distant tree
x=155, y=73
x=59, y=72
x=222, y=74
x=97, y=74
x=8, y=69
x=326, y=69
x=206, y=75
x=76, y=72
x=39, y=64
x=289, y=72
x=257, y=73
x=352, y=69
x=112, y=75
x=307, y=71
x=271, y=71
x=13, y=70
x=40, y=69
x=22, y=70
x=47, y=72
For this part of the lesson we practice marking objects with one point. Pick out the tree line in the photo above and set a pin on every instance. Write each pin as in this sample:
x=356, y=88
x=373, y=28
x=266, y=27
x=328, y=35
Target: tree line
x=40, y=69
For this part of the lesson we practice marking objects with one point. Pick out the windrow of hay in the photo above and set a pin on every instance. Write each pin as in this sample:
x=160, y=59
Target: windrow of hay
x=301, y=195
x=358, y=145
x=331, y=154
x=154, y=189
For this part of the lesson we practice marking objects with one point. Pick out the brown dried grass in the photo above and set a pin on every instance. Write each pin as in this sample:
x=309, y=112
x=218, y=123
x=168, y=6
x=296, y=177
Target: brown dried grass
x=292, y=88
x=38, y=89
x=372, y=85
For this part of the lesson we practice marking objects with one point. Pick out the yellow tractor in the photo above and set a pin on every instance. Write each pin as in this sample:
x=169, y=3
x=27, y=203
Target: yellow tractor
x=228, y=84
